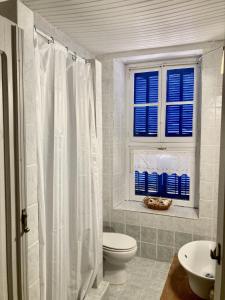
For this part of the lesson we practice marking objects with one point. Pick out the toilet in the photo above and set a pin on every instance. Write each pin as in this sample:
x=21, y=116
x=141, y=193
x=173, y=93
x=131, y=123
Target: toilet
x=118, y=249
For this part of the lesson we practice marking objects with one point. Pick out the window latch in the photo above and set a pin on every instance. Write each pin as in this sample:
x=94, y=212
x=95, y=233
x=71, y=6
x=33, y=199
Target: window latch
x=161, y=148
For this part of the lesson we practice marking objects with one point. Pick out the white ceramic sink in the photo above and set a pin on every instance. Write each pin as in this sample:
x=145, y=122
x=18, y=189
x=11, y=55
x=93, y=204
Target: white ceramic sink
x=195, y=259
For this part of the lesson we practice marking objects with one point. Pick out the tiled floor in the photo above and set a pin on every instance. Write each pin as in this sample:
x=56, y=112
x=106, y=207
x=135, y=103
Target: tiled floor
x=146, y=279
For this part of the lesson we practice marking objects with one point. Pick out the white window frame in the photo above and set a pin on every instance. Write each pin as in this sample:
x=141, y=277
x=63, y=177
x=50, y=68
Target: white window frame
x=161, y=141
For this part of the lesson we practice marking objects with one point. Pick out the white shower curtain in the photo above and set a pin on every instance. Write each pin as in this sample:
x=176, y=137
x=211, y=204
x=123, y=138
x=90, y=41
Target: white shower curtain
x=68, y=173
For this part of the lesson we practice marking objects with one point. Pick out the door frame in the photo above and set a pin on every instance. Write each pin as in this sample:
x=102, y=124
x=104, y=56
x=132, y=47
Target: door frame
x=20, y=160
x=220, y=268
x=11, y=238
x=11, y=51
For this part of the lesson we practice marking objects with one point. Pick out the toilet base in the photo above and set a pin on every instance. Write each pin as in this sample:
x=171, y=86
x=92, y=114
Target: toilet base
x=115, y=274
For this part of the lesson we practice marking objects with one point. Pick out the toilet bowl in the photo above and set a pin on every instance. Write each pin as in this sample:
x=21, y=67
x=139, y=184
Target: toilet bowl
x=118, y=249
x=195, y=259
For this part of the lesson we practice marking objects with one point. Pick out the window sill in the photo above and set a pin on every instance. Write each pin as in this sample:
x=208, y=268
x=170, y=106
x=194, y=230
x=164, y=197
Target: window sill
x=173, y=211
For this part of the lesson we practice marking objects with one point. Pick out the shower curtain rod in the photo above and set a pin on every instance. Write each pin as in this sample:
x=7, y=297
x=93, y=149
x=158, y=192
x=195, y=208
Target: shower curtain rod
x=51, y=39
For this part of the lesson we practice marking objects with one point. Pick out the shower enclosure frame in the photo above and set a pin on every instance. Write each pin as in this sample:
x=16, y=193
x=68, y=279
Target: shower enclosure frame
x=220, y=249
x=13, y=160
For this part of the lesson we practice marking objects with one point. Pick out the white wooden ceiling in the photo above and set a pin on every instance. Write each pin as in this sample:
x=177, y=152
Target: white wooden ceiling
x=106, y=26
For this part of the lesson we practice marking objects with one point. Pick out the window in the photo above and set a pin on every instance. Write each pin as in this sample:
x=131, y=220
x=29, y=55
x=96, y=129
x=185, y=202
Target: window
x=162, y=122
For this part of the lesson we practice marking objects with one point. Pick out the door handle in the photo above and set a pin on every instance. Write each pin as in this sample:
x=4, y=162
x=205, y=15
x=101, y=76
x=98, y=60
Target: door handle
x=214, y=255
x=26, y=229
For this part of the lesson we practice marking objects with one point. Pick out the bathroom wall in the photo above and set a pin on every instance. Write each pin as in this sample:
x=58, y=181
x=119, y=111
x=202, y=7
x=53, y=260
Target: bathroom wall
x=159, y=236
x=119, y=130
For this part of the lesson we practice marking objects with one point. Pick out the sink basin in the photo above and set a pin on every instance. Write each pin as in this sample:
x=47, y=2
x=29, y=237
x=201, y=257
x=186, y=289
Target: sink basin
x=195, y=259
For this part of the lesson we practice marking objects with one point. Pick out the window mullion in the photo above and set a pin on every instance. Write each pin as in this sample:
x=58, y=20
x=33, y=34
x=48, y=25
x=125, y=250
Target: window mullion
x=162, y=105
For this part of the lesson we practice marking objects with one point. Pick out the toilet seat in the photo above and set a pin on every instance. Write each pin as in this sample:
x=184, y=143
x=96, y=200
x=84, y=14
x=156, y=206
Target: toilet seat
x=118, y=242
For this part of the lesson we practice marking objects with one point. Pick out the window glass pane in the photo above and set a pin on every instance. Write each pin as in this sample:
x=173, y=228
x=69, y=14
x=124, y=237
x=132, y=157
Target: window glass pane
x=146, y=121
x=180, y=85
x=179, y=120
x=146, y=87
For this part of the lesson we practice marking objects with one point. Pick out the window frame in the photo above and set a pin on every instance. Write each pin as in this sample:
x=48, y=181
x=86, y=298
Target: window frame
x=188, y=143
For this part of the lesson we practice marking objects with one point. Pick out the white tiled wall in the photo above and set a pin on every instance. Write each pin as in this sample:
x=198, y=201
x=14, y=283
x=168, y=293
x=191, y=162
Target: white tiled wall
x=210, y=139
x=119, y=133
x=114, y=137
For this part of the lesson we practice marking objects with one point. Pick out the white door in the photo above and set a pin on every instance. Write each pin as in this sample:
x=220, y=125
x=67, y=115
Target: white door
x=220, y=251
x=3, y=259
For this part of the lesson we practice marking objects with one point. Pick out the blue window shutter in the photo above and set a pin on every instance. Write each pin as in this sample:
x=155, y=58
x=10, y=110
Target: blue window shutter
x=153, y=183
x=152, y=123
x=172, y=184
x=186, y=120
x=140, y=116
x=180, y=85
x=140, y=183
x=140, y=88
x=153, y=87
x=146, y=87
x=179, y=120
x=185, y=185
x=146, y=121
x=162, y=185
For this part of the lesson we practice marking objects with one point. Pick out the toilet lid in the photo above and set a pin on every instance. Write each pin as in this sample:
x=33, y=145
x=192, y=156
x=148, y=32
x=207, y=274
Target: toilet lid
x=118, y=241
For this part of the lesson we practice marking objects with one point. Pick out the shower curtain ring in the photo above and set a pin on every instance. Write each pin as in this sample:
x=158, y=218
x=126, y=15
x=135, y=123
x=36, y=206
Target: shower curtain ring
x=52, y=40
x=74, y=56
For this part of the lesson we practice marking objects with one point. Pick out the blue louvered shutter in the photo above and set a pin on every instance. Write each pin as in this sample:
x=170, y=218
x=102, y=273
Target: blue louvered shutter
x=172, y=184
x=146, y=92
x=145, y=121
x=180, y=88
x=185, y=186
x=162, y=185
x=153, y=183
x=179, y=120
x=180, y=85
x=140, y=183
x=146, y=87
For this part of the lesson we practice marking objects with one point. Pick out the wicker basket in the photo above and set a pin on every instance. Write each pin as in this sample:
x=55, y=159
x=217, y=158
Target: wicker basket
x=157, y=203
